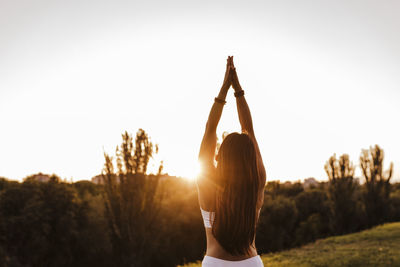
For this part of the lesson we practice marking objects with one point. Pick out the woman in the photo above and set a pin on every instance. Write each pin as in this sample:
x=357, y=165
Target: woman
x=231, y=192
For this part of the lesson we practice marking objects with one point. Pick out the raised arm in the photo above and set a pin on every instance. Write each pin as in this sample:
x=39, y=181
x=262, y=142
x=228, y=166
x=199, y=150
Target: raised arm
x=245, y=119
x=207, y=149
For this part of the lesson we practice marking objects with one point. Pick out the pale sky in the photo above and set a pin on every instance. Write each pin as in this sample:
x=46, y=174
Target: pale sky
x=320, y=77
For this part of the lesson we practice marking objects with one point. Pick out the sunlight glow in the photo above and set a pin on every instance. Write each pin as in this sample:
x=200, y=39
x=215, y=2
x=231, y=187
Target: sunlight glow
x=193, y=171
x=68, y=87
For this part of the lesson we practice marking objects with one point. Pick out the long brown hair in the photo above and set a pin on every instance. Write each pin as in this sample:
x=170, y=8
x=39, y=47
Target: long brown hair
x=239, y=183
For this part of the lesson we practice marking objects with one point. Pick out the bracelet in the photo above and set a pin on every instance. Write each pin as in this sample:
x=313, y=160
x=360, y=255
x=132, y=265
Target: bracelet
x=219, y=100
x=239, y=93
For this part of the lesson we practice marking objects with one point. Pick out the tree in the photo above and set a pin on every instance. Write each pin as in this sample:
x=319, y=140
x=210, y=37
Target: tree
x=275, y=189
x=40, y=224
x=276, y=224
x=377, y=185
x=131, y=201
x=314, y=213
x=341, y=193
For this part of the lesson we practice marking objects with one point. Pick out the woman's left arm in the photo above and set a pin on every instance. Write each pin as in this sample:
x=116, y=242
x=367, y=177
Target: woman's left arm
x=245, y=118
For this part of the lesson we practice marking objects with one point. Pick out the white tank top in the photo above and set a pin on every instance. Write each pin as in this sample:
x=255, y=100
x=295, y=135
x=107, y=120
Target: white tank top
x=208, y=218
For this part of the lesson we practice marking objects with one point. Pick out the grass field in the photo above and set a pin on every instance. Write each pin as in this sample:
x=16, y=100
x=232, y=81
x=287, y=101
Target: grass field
x=379, y=246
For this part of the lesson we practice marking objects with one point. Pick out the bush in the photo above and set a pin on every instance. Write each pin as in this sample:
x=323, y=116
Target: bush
x=276, y=224
x=314, y=211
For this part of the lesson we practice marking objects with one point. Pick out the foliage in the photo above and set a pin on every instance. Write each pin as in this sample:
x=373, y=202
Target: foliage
x=132, y=206
x=314, y=214
x=43, y=225
x=377, y=185
x=341, y=192
x=181, y=225
x=275, y=188
x=276, y=224
x=395, y=205
x=84, y=238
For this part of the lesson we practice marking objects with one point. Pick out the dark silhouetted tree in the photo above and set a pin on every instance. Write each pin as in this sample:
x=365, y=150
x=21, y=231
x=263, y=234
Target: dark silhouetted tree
x=341, y=193
x=276, y=224
x=275, y=188
x=131, y=201
x=377, y=185
x=42, y=224
x=395, y=202
x=314, y=213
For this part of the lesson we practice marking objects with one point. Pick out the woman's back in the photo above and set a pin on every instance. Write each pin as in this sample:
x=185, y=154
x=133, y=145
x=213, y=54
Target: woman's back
x=214, y=249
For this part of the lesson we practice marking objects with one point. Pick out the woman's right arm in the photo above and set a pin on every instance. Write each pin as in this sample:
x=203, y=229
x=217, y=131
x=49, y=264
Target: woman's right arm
x=205, y=183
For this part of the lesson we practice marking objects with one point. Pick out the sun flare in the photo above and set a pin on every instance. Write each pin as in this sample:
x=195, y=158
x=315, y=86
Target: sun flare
x=192, y=171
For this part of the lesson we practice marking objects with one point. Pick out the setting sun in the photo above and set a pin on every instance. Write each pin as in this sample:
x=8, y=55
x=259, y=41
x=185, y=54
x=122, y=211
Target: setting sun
x=86, y=90
x=191, y=171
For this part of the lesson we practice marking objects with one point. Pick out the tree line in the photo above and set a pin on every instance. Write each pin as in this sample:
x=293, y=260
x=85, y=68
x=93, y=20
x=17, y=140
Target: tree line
x=139, y=219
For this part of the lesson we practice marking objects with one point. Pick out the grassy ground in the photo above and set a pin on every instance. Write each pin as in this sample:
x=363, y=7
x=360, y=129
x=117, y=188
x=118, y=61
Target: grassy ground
x=379, y=246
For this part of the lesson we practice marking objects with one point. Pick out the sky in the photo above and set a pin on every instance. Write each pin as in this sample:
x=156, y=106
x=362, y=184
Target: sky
x=320, y=77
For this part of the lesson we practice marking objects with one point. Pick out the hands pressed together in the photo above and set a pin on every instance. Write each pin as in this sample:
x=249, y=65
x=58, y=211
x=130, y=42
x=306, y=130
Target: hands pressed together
x=231, y=77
